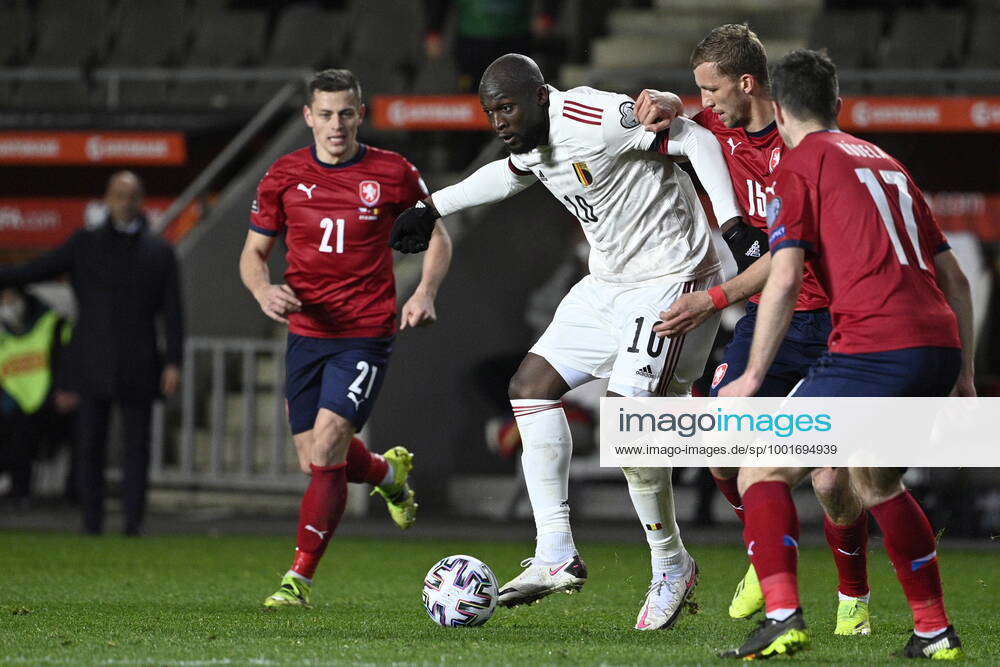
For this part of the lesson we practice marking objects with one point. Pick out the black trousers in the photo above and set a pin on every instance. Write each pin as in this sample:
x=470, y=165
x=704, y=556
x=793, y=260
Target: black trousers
x=92, y=450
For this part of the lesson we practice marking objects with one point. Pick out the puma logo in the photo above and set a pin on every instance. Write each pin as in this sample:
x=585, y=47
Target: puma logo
x=732, y=146
x=308, y=191
x=355, y=400
x=770, y=189
x=856, y=552
x=321, y=533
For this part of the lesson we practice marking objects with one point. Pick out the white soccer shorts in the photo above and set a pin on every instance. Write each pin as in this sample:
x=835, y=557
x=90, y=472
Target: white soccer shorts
x=605, y=330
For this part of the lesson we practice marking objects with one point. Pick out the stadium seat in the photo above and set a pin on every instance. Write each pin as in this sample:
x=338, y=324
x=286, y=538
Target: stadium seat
x=41, y=94
x=15, y=35
x=922, y=39
x=983, y=51
x=149, y=33
x=70, y=38
x=307, y=37
x=378, y=76
x=149, y=94
x=229, y=39
x=436, y=77
x=850, y=37
x=387, y=31
x=209, y=94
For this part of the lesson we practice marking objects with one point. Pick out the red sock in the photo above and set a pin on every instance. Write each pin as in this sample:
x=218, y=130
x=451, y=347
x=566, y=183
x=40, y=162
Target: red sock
x=850, y=551
x=364, y=466
x=772, y=538
x=322, y=507
x=731, y=491
x=909, y=539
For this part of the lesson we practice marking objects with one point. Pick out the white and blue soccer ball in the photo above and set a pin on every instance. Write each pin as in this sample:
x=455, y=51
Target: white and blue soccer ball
x=460, y=591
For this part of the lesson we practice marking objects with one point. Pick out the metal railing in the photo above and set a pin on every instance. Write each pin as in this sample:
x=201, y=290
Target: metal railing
x=208, y=450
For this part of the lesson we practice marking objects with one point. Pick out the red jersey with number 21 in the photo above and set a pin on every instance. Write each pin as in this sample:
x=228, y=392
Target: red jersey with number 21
x=337, y=220
x=752, y=158
x=872, y=238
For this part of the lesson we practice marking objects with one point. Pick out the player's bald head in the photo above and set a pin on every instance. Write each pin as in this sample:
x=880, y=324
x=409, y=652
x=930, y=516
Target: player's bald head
x=512, y=75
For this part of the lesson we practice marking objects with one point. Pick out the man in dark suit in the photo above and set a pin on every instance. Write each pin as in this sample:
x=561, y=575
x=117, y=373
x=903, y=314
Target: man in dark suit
x=124, y=279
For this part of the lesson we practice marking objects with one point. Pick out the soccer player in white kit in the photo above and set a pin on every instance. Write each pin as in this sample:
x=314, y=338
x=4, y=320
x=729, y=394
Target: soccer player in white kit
x=650, y=242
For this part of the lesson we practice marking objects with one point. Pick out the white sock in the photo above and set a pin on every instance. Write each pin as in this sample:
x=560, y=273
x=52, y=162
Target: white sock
x=653, y=498
x=390, y=475
x=546, y=448
x=866, y=598
x=780, y=614
x=295, y=574
x=928, y=635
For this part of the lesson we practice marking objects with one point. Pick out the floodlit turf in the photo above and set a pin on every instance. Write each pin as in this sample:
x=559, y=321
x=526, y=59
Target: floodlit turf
x=196, y=600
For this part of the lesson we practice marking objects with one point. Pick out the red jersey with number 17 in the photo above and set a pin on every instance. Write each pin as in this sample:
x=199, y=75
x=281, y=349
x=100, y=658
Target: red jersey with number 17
x=752, y=158
x=337, y=220
x=872, y=238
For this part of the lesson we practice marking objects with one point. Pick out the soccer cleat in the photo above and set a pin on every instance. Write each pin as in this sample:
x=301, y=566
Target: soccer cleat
x=943, y=646
x=853, y=618
x=399, y=497
x=749, y=598
x=294, y=592
x=539, y=580
x=772, y=638
x=666, y=598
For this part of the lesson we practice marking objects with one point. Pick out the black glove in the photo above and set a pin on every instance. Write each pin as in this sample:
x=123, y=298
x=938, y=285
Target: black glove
x=413, y=228
x=747, y=244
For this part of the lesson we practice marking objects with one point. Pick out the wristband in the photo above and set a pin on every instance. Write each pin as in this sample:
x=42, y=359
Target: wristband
x=718, y=296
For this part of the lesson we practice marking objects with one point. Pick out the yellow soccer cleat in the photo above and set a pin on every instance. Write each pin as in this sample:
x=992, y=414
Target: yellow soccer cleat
x=853, y=618
x=749, y=598
x=772, y=638
x=294, y=592
x=399, y=497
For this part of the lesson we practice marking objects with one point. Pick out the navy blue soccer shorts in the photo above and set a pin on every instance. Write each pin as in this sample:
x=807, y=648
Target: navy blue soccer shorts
x=343, y=375
x=803, y=346
x=915, y=371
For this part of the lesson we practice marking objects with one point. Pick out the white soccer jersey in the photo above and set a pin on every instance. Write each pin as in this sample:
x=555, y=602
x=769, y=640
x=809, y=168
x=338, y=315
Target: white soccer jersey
x=639, y=210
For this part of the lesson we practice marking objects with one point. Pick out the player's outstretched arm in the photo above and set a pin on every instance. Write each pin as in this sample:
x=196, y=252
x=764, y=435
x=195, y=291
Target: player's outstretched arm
x=952, y=281
x=655, y=109
x=419, y=311
x=493, y=182
x=687, y=138
x=276, y=301
x=690, y=310
x=773, y=316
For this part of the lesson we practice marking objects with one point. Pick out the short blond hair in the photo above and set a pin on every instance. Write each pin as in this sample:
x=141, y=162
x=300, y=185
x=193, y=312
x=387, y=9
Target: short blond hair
x=735, y=49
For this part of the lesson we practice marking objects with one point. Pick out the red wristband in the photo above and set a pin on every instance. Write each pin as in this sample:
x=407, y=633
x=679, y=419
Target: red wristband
x=718, y=296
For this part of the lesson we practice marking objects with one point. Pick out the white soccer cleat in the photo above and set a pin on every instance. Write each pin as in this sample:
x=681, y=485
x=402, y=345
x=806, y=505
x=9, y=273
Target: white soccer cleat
x=666, y=598
x=539, y=580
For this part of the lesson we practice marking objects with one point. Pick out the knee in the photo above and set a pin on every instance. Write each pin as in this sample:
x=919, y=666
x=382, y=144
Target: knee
x=876, y=489
x=331, y=437
x=827, y=483
x=522, y=386
x=724, y=473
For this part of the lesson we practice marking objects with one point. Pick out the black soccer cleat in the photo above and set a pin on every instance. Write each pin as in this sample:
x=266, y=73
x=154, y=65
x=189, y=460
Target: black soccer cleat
x=771, y=638
x=945, y=645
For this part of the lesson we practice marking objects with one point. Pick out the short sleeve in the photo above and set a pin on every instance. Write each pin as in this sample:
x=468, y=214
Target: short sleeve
x=414, y=188
x=930, y=228
x=790, y=216
x=266, y=213
x=622, y=130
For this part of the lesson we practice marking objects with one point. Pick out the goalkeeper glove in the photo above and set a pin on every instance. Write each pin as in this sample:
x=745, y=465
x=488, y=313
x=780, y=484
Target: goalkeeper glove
x=411, y=232
x=747, y=244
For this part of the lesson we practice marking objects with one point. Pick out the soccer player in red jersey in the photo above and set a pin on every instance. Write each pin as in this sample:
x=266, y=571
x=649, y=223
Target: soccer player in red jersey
x=334, y=202
x=730, y=68
x=902, y=318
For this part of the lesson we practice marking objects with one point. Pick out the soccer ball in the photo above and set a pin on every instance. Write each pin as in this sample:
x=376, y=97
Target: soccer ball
x=460, y=591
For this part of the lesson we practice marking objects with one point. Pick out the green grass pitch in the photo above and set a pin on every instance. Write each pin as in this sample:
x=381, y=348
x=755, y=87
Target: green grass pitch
x=196, y=601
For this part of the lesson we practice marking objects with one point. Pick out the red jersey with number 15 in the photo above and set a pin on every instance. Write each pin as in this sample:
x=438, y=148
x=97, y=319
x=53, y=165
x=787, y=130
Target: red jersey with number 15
x=337, y=220
x=872, y=238
x=752, y=158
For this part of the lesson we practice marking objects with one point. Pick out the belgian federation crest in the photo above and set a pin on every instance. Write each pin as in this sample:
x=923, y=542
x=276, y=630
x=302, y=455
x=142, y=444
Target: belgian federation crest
x=369, y=192
x=583, y=173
